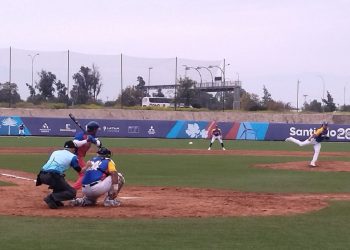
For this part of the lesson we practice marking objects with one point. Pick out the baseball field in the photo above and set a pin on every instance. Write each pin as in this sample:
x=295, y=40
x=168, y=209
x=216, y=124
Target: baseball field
x=254, y=195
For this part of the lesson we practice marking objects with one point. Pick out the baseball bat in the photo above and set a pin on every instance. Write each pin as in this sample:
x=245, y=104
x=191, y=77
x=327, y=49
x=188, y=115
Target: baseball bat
x=76, y=122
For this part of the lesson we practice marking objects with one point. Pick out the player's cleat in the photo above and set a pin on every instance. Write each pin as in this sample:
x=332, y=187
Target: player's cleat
x=111, y=203
x=209, y=148
x=50, y=202
x=312, y=165
x=288, y=139
x=59, y=203
x=77, y=202
x=223, y=148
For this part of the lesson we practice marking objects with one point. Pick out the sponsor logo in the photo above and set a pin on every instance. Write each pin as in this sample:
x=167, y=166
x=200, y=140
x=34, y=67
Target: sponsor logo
x=110, y=129
x=68, y=129
x=9, y=122
x=133, y=129
x=45, y=128
x=342, y=133
x=151, y=131
x=194, y=131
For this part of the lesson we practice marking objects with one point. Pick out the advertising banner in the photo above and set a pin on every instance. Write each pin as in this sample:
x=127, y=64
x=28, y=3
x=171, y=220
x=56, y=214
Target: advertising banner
x=9, y=126
x=66, y=127
x=280, y=131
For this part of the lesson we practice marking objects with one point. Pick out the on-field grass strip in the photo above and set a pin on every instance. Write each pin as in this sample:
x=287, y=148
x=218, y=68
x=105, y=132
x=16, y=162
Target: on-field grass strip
x=325, y=229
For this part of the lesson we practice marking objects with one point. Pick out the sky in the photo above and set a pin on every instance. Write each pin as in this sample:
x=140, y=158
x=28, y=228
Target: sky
x=271, y=43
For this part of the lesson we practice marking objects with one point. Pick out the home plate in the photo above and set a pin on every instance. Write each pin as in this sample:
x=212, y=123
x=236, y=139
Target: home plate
x=129, y=197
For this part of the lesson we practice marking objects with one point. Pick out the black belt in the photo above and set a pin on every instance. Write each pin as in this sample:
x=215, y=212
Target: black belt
x=91, y=184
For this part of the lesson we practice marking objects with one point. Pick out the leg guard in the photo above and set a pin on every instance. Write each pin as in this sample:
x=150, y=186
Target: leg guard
x=115, y=189
x=118, y=187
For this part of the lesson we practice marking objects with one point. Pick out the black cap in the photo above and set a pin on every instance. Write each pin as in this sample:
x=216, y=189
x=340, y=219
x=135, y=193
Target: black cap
x=69, y=144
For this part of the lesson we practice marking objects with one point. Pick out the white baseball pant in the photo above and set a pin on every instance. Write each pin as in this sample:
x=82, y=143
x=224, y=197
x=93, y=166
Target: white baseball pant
x=214, y=137
x=317, y=147
x=93, y=192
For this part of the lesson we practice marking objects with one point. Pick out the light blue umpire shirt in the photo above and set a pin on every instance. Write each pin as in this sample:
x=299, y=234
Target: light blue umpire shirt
x=60, y=161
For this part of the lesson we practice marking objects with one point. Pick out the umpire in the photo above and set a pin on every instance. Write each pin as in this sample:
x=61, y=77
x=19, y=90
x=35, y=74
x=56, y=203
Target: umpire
x=52, y=174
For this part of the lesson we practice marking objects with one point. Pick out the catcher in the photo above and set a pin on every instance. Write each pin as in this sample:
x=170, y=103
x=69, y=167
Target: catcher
x=216, y=134
x=101, y=177
x=83, y=142
x=315, y=139
x=52, y=174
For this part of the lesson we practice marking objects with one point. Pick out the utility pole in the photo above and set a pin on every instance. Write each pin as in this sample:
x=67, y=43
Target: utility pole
x=298, y=83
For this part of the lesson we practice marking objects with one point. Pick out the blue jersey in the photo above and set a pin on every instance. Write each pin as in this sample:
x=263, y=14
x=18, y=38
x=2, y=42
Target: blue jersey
x=60, y=161
x=101, y=167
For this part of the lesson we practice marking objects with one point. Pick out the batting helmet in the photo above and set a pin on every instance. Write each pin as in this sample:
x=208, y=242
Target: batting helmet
x=104, y=152
x=92, y=126
x=324, y=123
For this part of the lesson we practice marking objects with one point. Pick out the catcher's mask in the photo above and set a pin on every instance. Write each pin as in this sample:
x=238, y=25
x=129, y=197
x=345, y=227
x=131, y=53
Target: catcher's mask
x=104, y=152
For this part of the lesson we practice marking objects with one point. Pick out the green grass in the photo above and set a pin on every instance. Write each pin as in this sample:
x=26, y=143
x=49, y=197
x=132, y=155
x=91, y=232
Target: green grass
x=174, y=143
x=325, y=229
x=226, y=172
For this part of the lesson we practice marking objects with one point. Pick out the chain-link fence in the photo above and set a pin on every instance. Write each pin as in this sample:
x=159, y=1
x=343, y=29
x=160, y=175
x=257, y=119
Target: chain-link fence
x=117, y=72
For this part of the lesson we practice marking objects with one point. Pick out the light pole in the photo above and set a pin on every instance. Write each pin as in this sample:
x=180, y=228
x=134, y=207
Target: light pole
x=211, y=74
x=298, y=84
x=197, y=69
x=237, y=77
x=305, y=97
x=149, y=75
x=222, y=72
x=222, y=81
x=344, y=96
x=33, y=57
x=324, y=85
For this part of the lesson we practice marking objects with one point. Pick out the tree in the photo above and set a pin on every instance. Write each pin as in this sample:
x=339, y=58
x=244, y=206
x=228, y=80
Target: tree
x=278, y=106
x=186, y=92
x=9, y=93
x=31, y=90
x=62, y=95
x=159, y=93
x=45, y=85
x=208, y=101
x=250, y=102
x=141, y=86
x=329, y=104
x=96, y=82
x=130, y=97
x=87, y=85
x=313, y=106
x=266, y=99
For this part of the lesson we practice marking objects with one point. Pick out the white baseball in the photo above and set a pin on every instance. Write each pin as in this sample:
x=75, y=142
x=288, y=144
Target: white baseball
x=190, y=142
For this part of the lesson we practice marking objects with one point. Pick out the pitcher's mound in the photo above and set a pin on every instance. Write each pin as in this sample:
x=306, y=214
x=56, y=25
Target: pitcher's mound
x=322, y=166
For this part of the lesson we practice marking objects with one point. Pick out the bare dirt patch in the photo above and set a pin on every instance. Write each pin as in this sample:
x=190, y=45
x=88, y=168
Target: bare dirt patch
x=25, y=199
x=323, y=166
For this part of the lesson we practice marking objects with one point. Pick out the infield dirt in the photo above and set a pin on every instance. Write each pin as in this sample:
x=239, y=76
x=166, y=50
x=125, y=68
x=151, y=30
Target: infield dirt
x=25, y=199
